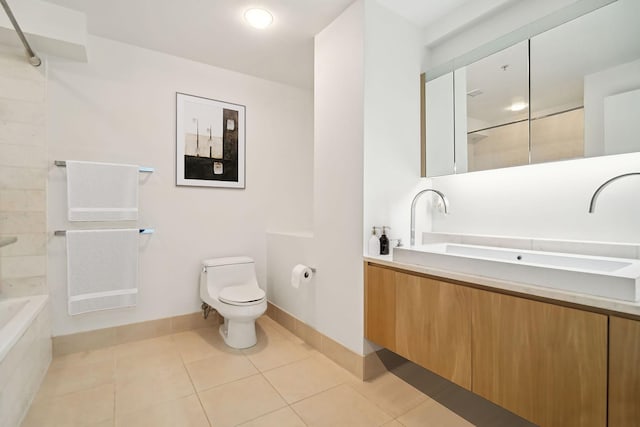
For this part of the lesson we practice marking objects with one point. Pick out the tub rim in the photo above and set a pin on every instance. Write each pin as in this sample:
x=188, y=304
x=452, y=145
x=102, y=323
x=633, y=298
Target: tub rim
x=17, y=326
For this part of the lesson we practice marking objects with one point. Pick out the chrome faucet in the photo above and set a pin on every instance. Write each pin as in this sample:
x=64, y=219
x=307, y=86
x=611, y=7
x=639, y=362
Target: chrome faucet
x=592, y=205
x=413, y=210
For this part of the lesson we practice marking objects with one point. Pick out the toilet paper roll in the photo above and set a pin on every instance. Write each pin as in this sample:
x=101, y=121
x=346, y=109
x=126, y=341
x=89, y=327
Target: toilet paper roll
x=300, y=274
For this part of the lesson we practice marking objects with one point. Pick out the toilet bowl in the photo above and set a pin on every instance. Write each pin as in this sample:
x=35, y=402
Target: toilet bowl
x=229, y=286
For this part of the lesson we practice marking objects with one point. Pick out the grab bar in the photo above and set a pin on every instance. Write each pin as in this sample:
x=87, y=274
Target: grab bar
x=142, y=231
x=63, y=164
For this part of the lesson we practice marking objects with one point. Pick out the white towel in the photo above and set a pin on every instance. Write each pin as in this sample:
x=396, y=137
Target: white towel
x=102, y=191
x=102, y=269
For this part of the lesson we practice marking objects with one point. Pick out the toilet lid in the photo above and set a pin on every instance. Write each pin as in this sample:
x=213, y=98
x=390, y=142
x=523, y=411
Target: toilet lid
x=241, y=294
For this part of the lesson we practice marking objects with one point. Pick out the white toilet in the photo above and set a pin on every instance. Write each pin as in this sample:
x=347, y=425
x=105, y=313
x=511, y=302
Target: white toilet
x=229, y=286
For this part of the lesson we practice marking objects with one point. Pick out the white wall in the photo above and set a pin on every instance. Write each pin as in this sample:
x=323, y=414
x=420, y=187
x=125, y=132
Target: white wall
x=366, y=163
x=391, y=120
x=549, y=200
x=284, y=251
x=120, y=107
x=338, y=176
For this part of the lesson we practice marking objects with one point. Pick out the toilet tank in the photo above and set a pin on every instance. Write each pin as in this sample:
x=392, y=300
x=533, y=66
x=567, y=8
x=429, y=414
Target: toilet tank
x=232, y=271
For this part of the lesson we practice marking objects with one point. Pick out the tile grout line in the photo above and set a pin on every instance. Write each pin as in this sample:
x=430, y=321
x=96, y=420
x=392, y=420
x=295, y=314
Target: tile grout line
x=56, y=396
x=115, y=387
x=395, y=417
x=261, y=373
x=309, y=397
x=308, y=356
x=195, y=390
x=298, y=414
x=270, y=384
x=258, y=372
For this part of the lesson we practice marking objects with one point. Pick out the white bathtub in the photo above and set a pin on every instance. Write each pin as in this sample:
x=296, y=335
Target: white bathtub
x=16, y=315
x=25, y=354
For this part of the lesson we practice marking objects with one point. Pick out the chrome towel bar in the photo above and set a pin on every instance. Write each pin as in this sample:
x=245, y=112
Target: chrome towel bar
x=142, y=231
x=63, y=164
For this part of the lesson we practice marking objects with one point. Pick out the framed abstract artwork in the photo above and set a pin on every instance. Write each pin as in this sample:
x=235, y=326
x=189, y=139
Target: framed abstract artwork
x=210, y=142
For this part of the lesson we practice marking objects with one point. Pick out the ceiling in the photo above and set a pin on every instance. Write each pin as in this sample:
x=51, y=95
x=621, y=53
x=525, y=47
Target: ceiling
x=214, y=32
x=423, y=12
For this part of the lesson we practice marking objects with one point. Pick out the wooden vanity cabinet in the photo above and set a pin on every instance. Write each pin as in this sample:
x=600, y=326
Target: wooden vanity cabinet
x=433, y=326
x=380, y=306
x=424, y=320
x=544, y=362
x=624, y=372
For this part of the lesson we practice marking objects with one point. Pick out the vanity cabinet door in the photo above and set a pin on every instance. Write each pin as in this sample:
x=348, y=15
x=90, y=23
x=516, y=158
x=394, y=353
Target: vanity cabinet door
x=433, y=326
x=541, y=361
x=380, y=306
x=624, y=372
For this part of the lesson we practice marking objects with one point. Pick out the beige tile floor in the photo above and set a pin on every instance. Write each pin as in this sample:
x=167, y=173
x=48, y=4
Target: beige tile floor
x=192, y=379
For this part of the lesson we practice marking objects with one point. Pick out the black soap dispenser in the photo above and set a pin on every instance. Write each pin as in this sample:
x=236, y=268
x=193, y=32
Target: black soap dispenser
x=384, y=242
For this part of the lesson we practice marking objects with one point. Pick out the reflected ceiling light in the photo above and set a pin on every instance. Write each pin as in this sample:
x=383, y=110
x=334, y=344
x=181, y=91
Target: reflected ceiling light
x=517, y=106
x=258, y=18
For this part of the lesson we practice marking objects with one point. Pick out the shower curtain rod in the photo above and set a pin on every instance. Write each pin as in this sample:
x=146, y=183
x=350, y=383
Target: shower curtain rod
x=33, y=58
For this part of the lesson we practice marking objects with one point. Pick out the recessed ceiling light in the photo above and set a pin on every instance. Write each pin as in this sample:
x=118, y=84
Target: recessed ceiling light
x=258, y=18
x=517, y=106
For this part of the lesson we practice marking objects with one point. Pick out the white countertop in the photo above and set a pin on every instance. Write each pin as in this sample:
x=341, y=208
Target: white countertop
x=619, y=306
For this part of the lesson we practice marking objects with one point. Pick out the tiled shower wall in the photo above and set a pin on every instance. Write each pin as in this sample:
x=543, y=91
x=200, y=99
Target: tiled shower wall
x=23, y=175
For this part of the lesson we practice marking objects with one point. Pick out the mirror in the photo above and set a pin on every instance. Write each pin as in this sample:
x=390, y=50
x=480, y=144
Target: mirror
x=439, y=158
x=492, y=95
x=585, y=85
x=564, y=87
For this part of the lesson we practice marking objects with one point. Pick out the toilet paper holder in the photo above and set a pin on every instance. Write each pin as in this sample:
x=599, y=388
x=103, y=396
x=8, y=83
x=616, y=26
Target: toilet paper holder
x=301, y=274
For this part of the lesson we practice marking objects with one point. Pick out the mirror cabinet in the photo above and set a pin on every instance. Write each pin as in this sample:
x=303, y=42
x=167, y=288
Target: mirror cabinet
x=564, y=87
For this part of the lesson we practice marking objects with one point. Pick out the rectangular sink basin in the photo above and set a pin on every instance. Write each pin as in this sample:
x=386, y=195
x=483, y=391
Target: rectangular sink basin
x=615, y=278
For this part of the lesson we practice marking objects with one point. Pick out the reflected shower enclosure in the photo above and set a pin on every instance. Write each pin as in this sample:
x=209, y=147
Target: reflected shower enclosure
x=210, y=142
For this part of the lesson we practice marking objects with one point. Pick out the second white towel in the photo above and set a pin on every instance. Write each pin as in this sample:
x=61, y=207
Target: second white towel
x=102, y=191
x=102, y=269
